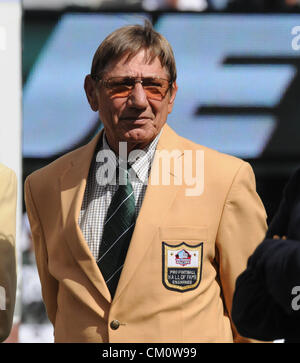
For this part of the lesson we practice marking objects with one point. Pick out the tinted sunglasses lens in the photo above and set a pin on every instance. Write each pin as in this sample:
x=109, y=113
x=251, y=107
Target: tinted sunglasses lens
x=120, y=87
x=153, y=94
x=155, y=89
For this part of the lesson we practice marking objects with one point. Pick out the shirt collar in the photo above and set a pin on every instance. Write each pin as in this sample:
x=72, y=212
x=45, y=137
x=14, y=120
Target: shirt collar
x=140, y=160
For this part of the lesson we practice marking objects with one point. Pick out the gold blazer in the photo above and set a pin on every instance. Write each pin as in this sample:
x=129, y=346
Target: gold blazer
x=185, y=254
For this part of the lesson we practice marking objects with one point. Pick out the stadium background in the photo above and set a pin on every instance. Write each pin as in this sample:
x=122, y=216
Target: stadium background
x=239, y=88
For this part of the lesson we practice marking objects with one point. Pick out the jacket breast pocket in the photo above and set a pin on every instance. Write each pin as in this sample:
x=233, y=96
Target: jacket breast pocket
x=182, y=256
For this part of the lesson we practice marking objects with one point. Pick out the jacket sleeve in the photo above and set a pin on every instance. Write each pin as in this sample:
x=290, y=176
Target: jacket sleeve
x=8, y=274
x=48, y=282
x=242, y=228
x=282, y=224
x=265, y=303
x=264, y=300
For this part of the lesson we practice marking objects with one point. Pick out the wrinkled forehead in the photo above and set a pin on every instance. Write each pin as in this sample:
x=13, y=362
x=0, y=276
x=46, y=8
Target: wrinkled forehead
x=135, y=62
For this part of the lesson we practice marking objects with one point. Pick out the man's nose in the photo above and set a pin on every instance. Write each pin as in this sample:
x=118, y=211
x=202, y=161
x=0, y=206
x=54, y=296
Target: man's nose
x=138, y=97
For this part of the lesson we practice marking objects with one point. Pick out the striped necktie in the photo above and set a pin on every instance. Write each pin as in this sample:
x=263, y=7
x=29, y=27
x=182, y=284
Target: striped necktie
x=117, y=232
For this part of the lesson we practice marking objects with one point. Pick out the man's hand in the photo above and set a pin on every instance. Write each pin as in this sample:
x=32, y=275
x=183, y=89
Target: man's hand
x=278, y=237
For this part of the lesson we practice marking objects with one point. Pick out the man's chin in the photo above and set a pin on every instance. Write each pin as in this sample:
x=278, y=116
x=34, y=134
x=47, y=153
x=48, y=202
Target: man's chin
x=138, y=138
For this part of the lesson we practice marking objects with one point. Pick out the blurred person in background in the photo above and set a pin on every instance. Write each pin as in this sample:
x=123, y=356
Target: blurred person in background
x=120, y=261
x=180, y=5
x=266, y=302
x=292, y=3
x=8, y=274
x=258, y=5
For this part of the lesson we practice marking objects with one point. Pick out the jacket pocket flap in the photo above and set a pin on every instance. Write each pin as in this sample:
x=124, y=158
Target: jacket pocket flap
x=184, y=233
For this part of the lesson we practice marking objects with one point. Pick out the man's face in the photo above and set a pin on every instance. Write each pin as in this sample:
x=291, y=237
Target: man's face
x=135, y=118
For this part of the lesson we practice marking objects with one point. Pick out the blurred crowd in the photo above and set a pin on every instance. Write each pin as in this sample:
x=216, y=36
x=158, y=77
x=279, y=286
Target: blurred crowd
x=231, y=5
x=170, y=5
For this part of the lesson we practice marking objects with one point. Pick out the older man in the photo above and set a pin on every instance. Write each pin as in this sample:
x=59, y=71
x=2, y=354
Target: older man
x=124, y=257
x=8, y=194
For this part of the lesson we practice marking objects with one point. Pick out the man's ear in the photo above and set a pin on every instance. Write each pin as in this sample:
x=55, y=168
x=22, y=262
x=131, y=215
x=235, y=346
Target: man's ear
x=90, y=91
x=173, y=92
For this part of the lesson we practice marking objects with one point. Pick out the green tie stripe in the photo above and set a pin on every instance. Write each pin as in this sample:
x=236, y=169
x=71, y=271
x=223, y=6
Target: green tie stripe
x=115, y=211
x=117, y=233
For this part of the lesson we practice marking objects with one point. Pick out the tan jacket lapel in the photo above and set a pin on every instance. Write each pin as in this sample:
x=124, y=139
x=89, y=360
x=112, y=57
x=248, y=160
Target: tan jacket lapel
x=73, y=183
x=157, y=196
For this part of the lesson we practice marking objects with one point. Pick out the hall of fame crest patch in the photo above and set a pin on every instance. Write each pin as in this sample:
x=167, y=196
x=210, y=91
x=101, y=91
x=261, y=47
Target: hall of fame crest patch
x=182, y=266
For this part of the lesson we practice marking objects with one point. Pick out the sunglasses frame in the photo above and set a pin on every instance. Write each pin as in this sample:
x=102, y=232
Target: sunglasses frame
x=136, y=80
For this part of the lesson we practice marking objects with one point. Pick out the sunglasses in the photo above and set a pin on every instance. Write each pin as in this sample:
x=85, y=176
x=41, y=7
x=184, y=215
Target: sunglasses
x=155, y=88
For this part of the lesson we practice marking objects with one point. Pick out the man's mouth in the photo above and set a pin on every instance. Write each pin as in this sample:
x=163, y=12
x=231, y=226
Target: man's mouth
x=140, y=120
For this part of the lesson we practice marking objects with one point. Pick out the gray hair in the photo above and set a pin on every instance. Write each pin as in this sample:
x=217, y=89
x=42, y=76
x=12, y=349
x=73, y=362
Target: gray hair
x=130, y=40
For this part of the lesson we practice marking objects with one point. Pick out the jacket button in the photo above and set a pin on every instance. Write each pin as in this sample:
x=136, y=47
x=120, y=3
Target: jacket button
x=115, y=324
